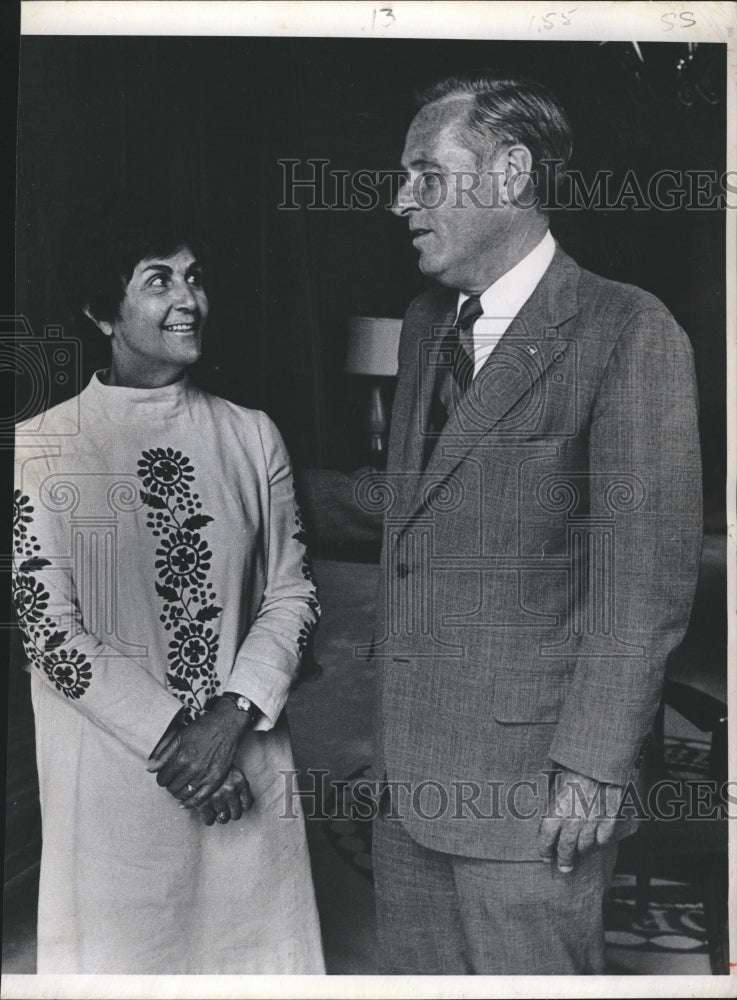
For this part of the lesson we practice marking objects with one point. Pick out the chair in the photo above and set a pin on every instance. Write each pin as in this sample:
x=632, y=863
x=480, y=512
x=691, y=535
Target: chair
x=692, y=850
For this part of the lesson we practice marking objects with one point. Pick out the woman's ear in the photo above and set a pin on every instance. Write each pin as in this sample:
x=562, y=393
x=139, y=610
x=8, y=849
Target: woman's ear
x=101, y=324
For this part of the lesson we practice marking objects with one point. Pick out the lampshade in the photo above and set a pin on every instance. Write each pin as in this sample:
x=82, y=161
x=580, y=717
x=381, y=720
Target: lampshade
x=373, y=343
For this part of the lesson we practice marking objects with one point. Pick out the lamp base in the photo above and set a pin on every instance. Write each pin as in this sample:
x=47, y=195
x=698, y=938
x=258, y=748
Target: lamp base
x=376, y=426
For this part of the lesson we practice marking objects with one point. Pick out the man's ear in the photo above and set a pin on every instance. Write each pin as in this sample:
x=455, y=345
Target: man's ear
x=101, y=324
x=517, y=172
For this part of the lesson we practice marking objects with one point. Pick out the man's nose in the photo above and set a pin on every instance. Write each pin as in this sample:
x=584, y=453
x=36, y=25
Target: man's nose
x=405, y=200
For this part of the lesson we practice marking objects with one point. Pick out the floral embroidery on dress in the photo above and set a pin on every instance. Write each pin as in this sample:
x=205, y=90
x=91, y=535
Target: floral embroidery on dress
x=31, y=599
x=300, y=536
x=309, y=668
x=22, y=511
x=165, y=472
x=68, y=670
x=183, y=559
x=194, y=647
x=308, y=628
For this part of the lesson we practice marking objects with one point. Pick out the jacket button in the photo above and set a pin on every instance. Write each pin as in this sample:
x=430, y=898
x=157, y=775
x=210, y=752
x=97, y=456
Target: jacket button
x=402, y=570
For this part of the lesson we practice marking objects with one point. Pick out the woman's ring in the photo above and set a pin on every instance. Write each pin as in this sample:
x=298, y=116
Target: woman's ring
x=191, y=788
x=223, y=817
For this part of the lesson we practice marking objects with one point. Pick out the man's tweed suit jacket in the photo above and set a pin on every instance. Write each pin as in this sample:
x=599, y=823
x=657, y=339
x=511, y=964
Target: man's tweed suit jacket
x=537, y=574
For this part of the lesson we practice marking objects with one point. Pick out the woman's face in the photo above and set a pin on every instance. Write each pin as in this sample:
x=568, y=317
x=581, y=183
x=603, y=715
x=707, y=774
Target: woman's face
x=157, y=332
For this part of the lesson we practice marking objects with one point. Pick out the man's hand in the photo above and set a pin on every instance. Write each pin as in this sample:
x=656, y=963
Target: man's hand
x=230, y=801
x=568, y=830
x=193, y=762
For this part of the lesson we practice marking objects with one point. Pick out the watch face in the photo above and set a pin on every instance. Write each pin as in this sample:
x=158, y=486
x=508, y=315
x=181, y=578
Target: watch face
x=239, y=700
x=243, y=704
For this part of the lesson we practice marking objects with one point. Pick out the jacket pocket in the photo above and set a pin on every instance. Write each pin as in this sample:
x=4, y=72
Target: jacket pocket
x=529, y=695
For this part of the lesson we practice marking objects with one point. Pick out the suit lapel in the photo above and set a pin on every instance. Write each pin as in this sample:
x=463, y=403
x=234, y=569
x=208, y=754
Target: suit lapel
x=410, y=412
x=514, y=368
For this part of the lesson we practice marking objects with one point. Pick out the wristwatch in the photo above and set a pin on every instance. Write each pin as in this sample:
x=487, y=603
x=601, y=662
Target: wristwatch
x=244, y=705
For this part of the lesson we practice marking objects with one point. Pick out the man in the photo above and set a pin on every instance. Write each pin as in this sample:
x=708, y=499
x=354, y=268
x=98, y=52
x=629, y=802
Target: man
x=540, y=553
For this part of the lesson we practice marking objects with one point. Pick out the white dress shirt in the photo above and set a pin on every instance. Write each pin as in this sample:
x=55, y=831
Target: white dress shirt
x=503, y=300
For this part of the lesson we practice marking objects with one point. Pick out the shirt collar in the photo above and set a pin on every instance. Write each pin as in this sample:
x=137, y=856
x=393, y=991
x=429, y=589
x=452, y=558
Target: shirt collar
x=510, y=292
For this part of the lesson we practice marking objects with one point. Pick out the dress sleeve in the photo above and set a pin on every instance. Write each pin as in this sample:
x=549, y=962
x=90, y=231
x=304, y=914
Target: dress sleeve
x=113, y=690
x=644, y=430
x=268, y=659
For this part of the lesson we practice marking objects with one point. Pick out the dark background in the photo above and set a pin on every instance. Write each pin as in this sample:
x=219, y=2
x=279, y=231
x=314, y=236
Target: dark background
x=204, y=122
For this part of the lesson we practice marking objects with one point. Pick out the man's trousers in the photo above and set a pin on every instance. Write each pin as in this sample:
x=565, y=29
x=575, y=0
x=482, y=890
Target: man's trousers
x=443, y=914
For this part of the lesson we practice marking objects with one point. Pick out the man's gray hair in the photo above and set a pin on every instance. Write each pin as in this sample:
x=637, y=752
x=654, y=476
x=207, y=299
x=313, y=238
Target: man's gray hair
x=509, y=109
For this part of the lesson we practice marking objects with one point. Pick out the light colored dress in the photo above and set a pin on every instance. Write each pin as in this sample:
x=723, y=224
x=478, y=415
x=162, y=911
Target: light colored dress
x=159, y=559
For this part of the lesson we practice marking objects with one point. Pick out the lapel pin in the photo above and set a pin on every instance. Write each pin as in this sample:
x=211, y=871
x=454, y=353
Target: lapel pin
x=531, y=349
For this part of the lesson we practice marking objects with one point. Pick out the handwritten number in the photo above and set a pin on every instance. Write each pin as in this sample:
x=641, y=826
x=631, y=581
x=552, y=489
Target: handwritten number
x=549, y=20
x=686, y=16
x=386, y=20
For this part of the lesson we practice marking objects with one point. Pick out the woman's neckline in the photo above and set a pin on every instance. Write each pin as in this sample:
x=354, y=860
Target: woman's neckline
x=172, y=392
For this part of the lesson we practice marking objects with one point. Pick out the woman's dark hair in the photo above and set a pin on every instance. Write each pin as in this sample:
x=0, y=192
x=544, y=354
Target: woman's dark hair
x=104, y=240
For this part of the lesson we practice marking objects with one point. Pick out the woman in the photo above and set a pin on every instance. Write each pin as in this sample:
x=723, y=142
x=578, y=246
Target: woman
x=164, y=594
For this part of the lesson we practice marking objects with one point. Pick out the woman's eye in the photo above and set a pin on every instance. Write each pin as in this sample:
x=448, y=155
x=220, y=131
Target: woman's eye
x=158, y=281
x=195, y=278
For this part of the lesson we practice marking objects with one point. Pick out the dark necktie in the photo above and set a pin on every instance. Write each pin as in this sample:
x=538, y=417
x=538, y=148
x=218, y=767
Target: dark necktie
x=452, y=382
x=464, y=359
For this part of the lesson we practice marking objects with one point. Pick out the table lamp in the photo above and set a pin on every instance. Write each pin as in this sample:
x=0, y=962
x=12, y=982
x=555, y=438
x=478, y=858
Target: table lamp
x=373, y=343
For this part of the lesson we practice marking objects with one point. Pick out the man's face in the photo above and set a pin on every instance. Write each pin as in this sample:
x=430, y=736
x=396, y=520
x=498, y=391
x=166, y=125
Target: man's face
x=446, y=198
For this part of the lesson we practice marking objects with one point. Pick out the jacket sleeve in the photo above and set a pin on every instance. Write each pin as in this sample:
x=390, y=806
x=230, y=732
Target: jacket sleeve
x=268, y=659
x=644, y=436
x=113, y=690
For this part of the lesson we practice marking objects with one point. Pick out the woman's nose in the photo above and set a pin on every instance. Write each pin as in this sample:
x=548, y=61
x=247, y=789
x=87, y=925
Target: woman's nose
x=184, y=296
